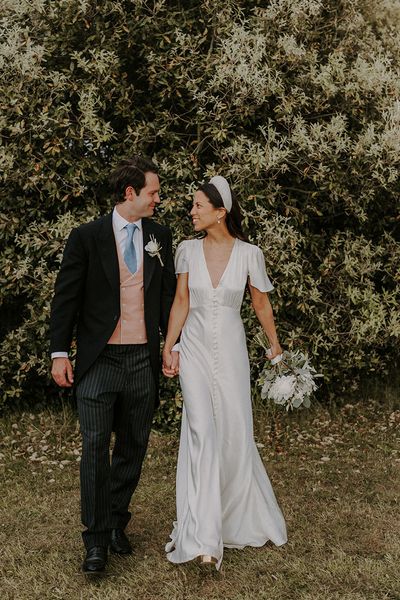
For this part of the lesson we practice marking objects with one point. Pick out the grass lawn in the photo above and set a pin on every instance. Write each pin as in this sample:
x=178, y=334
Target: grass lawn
x=335, y=473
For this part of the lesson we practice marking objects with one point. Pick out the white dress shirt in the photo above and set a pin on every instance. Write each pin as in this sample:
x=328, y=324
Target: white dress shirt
x=120, y=234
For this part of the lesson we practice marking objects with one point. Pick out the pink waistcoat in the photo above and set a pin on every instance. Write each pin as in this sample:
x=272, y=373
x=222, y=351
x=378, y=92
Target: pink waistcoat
x=130, y=328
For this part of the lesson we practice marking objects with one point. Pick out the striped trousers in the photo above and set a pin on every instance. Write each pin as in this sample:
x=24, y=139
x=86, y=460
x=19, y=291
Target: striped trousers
x=116, y=394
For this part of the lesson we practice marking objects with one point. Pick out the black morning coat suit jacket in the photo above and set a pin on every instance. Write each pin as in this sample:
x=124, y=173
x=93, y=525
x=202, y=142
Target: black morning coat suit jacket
x=87, y=292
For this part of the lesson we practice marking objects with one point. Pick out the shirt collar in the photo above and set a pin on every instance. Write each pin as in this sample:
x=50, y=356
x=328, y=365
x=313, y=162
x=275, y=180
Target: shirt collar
x=119, y=222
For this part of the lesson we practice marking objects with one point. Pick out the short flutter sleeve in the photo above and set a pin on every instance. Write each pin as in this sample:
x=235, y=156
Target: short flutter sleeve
x=181, y=258
x=257, y=273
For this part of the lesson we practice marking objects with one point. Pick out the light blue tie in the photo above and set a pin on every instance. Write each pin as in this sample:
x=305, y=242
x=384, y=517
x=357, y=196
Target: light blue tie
x=130, y=252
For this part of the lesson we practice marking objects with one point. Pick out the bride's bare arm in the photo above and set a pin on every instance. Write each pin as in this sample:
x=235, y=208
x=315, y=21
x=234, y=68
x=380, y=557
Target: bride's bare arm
x=263, y=309
x=177, y=318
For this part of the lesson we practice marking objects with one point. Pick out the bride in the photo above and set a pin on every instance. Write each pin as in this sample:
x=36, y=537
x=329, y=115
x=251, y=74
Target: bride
x=224, y=497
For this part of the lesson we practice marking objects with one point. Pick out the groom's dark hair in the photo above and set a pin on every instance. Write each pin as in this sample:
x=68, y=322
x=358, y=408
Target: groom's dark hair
x=130, y=172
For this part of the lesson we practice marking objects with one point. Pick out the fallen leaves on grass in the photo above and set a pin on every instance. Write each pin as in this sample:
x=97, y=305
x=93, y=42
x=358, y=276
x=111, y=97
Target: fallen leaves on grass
x=40, y=443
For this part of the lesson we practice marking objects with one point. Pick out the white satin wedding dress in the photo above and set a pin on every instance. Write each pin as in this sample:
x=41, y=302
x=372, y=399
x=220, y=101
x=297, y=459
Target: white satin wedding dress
x=223, y=494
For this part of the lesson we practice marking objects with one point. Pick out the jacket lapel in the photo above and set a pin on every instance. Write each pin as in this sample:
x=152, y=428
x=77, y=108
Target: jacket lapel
x=108, y=253
x=149, y=262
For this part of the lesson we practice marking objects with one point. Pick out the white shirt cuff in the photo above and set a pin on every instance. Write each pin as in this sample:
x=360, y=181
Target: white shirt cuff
x=176, y=348
x=59, y=355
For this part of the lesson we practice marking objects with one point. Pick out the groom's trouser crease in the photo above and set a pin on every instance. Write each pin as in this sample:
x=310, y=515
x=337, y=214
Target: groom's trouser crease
x=117, y=393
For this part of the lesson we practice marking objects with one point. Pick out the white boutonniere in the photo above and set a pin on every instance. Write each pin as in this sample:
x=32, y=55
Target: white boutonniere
x=153, y=248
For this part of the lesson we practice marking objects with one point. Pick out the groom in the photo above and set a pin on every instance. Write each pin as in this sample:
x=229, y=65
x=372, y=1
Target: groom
x=118, y=290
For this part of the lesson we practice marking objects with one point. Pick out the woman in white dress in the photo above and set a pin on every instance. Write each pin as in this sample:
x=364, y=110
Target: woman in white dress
x=223, y=494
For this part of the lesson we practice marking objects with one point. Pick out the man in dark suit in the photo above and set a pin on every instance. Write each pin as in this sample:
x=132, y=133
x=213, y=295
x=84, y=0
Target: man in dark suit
x=116, y=284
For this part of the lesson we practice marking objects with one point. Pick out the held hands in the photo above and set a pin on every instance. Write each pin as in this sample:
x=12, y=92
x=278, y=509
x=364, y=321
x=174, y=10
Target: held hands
x=62, y=372
x=170, y=366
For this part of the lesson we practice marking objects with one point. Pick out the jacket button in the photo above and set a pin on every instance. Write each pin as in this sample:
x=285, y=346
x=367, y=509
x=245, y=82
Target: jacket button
x=115, y=317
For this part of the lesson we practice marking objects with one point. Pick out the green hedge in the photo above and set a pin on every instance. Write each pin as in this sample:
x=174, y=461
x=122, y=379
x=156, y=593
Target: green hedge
x=296, y=103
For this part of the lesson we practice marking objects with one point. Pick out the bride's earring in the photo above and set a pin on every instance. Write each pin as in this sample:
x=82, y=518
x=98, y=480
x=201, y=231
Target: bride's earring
x=218, y=221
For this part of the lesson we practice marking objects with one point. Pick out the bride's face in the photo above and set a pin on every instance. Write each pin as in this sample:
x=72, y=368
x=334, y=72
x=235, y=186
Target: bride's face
x=204, y=214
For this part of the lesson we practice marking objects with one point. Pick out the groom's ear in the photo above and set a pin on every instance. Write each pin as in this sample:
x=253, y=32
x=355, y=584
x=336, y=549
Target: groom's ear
x=130, y=193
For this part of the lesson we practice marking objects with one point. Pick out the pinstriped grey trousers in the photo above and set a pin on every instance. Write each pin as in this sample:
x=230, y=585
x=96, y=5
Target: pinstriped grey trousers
x=116, y=394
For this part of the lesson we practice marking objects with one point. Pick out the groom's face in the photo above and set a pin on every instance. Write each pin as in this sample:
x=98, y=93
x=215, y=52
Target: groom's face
x=145, y=202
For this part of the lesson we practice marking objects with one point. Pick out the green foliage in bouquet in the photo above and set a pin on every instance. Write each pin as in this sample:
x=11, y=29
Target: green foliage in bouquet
x=296, y=103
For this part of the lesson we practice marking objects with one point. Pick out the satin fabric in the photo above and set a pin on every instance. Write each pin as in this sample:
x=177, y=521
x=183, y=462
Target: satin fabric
x=223, y=493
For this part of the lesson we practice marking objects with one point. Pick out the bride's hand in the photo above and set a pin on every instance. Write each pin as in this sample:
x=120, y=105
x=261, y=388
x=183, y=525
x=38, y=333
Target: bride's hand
x=170, y=366
x=175, y=361
x=166, y=363
x=275, y=351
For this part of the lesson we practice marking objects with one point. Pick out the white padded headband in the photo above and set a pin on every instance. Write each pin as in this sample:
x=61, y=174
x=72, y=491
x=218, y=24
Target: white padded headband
x=225, y=191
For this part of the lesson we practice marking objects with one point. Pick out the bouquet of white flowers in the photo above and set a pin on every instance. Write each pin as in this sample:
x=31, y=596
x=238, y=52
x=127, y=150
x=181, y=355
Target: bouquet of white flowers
x=288, y=380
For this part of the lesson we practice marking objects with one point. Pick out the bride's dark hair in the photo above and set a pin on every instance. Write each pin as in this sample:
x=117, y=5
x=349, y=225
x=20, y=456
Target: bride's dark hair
x=234, y=217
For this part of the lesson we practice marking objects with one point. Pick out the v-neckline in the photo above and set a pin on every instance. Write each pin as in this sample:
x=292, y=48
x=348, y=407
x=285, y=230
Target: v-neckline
x=226, y=266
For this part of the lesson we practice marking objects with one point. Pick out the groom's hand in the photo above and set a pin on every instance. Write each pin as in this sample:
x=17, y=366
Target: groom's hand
x=62, y=372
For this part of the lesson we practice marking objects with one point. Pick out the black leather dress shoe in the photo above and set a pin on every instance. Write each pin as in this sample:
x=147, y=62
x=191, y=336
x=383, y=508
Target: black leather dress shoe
x=119, y=543
x=95, y=561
